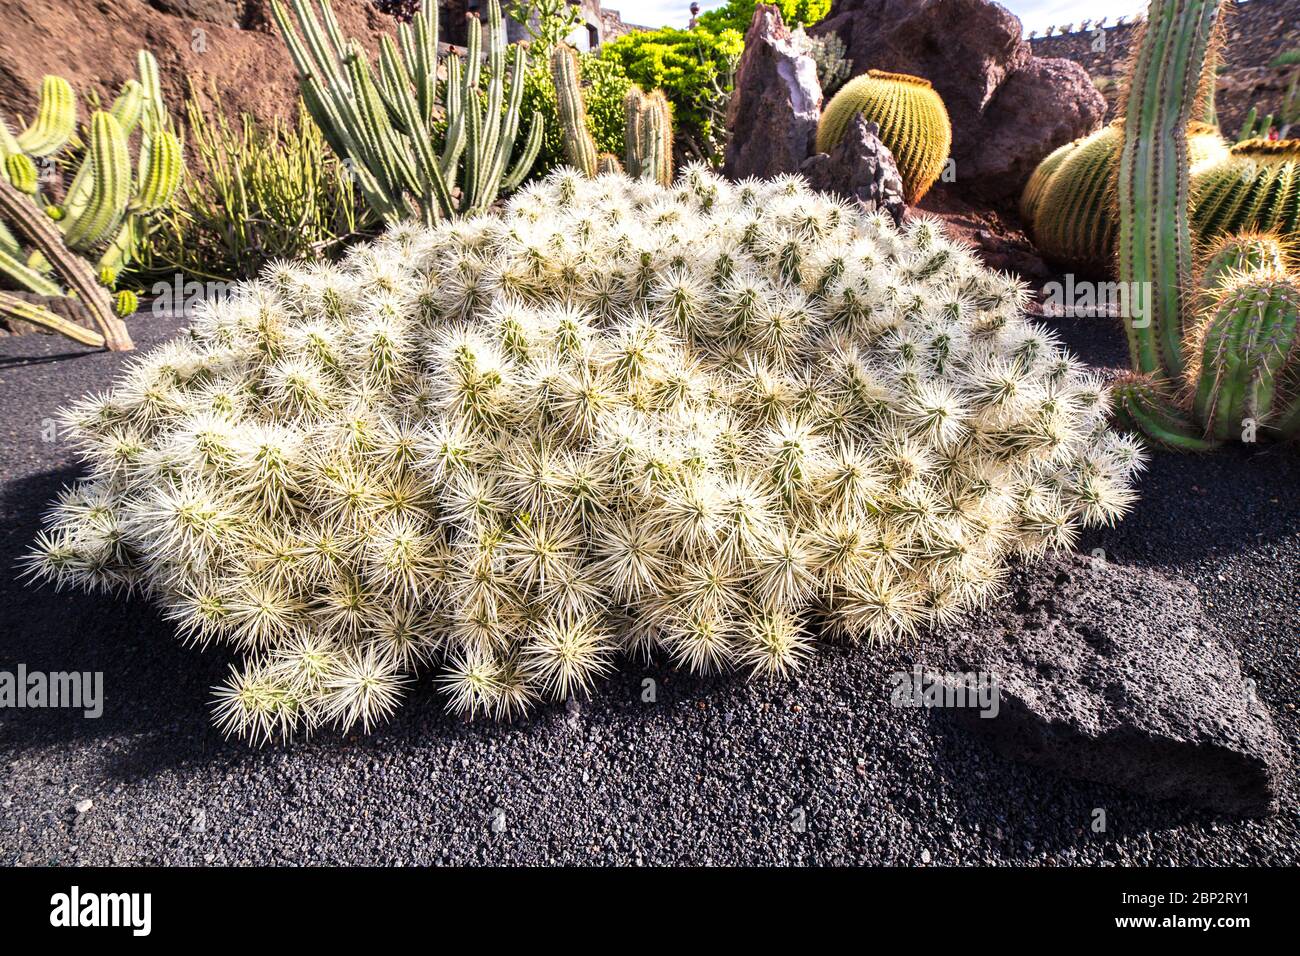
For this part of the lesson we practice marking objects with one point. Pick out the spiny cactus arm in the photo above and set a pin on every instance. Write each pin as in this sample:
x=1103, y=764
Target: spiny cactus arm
x=509, y=135
x=579, y=147
x=433, y=186
x=18, y=271
x=56, y=119
x=124, y=248
x=161, y=170
x=393, y=165
x=489, y=174
x=454, y=144
x=33, y=225
x=12, y=305
x=110, y=168
x=1141, y=405
x=151, y=86
x=1155, y=245
x=129, y=106
x=632, y=131
x=424, y=55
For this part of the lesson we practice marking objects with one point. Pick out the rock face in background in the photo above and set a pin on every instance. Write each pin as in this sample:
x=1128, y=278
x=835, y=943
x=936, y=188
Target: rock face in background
x=971, y=50
x=773, y=113
x=1257, y=31
x=861, y=167
x=93, y=45
x=1115, y=674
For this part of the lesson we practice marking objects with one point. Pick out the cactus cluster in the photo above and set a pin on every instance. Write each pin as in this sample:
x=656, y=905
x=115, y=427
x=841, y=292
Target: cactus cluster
x=415, y=153
x=1220, y=359
x=913, y=123
x=84, y=232
x=648, y=129
x=1241, y=351
x=1069, y=201
x=706, y=422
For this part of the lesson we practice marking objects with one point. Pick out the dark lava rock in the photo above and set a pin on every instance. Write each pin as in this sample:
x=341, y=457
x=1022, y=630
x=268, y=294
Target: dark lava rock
x=773, y=113
x=861, y=167
x=1008, y=109
x=1116, y=674
x=1045, y=104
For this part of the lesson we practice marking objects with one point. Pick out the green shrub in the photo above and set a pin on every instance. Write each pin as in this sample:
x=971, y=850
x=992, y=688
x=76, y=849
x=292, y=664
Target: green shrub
x=694, y=68
x=712, y=422
x=604, y=85
x=737, y=14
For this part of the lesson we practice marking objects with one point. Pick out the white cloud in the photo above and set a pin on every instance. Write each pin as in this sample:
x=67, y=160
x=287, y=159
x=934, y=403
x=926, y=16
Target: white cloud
x=1035, y=14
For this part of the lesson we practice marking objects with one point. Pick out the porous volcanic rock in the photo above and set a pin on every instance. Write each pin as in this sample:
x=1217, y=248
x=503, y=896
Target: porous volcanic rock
x=860, y=167
x=1008, y=111
x=1116, y=674
x=93, y=45
x=773, y=112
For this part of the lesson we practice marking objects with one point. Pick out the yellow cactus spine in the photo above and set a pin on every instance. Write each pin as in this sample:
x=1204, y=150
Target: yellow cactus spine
x=913, y=123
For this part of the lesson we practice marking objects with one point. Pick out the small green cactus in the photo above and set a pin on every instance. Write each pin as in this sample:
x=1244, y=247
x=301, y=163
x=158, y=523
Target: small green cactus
x=579, y=147
x=648, y=140
x=125, y=303
x=1254, y=188
x=913, y=123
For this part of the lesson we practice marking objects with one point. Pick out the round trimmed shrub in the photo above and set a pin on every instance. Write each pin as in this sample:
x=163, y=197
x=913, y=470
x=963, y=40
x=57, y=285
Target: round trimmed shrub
x=711, y=422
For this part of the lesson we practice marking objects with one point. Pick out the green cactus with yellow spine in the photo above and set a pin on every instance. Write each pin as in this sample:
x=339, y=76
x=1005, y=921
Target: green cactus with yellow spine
x=1216, y=358
x=913, y=123
x=98, y=223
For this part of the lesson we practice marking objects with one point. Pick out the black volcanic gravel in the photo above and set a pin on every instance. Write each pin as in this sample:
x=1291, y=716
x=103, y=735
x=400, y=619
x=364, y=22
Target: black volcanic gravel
x=818, y=769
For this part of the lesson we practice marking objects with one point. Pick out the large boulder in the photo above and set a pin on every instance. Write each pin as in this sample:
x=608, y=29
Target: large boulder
x=1115, y=674
x=773, y=112
x=860, y=167
x=970, y=51
x=1045, y=104
x=93, y=44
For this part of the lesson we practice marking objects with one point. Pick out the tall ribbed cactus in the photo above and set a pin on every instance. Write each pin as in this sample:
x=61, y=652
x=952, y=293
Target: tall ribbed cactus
x=579, y=147
x=100, y=220
x=409, y=149
x=1154, y=246
x=1222, y=360
x=648, y=138
x=913, y=123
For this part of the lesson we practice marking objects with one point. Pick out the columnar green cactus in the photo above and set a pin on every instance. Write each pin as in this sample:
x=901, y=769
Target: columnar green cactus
x=913, y=123
x=104, y=211
x=579, y=147
x=1222, y=361
x=1154, y=247
x=409, y=149
x=648, y=139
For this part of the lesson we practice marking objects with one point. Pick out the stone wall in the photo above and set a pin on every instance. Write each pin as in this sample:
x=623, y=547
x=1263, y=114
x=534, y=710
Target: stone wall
x=1257, y=31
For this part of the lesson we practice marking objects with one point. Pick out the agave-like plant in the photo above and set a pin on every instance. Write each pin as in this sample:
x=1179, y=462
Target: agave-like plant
x=708, y=421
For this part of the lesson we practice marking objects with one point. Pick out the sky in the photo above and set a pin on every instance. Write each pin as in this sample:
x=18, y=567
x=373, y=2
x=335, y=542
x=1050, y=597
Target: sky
x=1034, y=14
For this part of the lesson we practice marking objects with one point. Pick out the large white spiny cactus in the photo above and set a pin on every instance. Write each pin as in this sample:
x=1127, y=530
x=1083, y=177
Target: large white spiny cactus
x=710, y=422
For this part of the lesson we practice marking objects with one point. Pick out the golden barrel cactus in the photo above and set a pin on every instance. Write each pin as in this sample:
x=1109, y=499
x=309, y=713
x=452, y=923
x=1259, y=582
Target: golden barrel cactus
x=913, y=123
